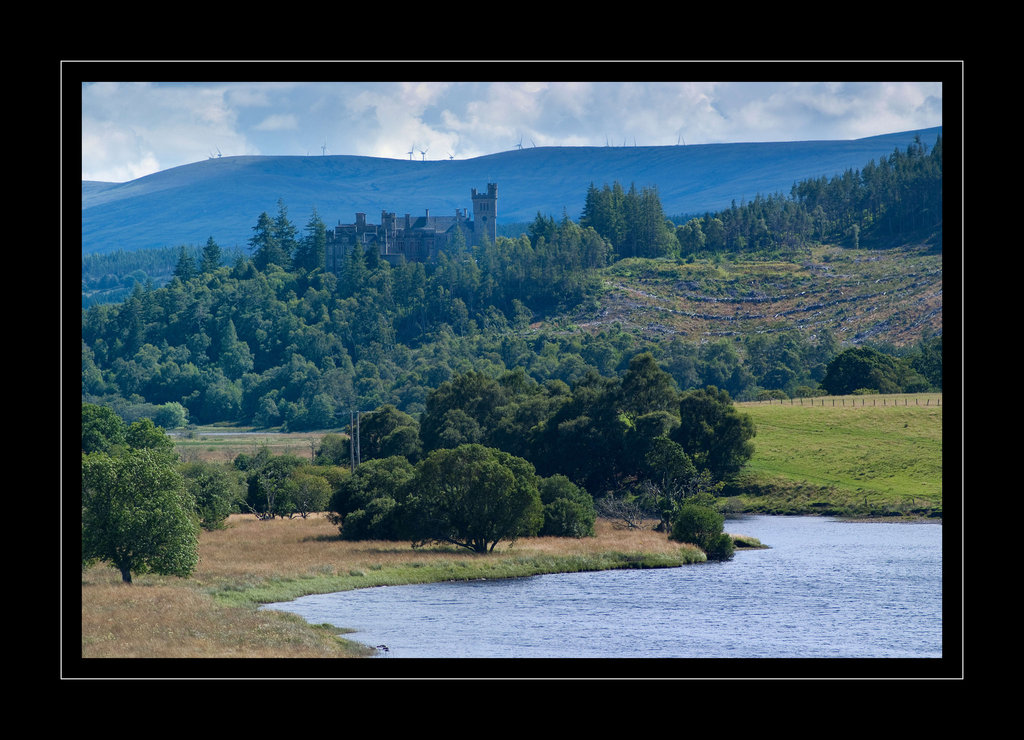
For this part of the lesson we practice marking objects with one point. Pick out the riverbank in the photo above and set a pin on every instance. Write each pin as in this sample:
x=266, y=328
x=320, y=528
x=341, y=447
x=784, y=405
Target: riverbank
x=215, y=614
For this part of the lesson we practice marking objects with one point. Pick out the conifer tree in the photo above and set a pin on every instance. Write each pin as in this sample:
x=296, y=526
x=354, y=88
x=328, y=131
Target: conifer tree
x=265, y=245
x=311, y=252
x=186, y=267
x=211, y=256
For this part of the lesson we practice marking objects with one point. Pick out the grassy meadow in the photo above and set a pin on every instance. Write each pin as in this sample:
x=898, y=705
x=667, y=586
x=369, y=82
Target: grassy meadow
x=869, y=455
x=224, y=444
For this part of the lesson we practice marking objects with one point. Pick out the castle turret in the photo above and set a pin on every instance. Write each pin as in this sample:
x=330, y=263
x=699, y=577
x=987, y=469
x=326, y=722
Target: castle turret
x=485, y=215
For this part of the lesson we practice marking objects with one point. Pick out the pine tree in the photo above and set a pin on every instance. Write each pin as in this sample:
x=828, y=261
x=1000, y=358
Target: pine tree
x=211, y=256
x=285, y=232
x=264, y=244
x=186, y=267
x=311, y=252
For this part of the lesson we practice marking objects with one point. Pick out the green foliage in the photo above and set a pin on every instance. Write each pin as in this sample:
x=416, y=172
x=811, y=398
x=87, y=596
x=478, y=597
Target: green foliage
x=568, y=509
x=721, y=547
x=333, y=450
x=212, y=257
x=218, y=491
x=137, y=514
x=699, y=525
x=474, y=497
x=864, y=369
x=276, y=340
x=713, y=432
x=387, y=432
x=632, y=222
x=670, y=479
x=269, y=493
x=102, y=428
x=144, y=434
x=311, y=250
x=888, y=201
x=171, y=415
x=368, y=503
x=307, y=491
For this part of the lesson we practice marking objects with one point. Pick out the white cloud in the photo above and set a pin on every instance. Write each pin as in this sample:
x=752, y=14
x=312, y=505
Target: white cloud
x=131, y=129
x=278, y=122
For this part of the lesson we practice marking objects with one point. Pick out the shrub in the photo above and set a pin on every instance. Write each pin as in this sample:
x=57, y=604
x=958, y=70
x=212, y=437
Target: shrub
x=380, y=519
x=697, y=524
x=721, y=547
x=568, y=509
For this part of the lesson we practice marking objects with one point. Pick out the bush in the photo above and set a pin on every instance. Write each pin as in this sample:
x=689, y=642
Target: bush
x=380, y=519
x=699, y=525
x=721, y=547
x=568, y=509
x=385, y=479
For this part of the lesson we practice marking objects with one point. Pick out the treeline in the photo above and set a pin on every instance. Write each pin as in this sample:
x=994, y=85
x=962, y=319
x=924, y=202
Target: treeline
x=301, y=349
x=888, y=202
x=453, y=476
x=111, y=277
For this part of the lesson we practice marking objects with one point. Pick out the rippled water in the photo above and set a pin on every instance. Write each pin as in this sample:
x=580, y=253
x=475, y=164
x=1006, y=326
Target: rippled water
x=825, y=589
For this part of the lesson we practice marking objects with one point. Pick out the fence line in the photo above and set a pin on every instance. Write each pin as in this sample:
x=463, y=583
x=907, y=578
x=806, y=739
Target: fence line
x=874, y=401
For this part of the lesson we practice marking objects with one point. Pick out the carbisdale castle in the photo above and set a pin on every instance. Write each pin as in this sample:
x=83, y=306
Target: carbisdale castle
x=415, y=238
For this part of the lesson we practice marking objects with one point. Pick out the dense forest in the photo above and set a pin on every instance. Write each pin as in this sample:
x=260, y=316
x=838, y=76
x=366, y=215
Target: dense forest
x=272, y=339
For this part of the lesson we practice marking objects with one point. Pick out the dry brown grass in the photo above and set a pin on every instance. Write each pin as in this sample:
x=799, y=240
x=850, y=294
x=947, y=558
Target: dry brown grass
x=149, y=620
x=162, y=617
x=252, y=550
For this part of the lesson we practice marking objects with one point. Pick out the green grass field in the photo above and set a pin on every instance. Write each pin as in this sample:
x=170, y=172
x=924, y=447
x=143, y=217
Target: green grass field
x=857, y=456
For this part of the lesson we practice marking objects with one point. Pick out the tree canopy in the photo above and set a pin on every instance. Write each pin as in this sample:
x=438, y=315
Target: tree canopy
x=474, y=497
x=137, y=514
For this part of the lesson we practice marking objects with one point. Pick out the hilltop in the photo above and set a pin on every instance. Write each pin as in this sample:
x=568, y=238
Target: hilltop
x=223, y=197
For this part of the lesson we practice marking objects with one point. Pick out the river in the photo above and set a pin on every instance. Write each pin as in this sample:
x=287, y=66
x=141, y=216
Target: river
x=826, y=588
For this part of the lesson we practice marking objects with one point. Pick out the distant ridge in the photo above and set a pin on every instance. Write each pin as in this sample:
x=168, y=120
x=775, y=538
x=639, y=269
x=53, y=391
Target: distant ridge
x=224, y=197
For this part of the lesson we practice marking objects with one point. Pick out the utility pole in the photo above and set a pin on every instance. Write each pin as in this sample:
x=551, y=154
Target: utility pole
x=353, y=439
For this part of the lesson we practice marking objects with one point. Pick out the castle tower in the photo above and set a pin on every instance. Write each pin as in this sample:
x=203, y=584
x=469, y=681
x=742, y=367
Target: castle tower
x=485, y=215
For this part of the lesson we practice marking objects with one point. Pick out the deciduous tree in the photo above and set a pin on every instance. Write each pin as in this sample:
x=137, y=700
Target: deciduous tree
x=715, y=435
x=137, y=514
x=474, y=497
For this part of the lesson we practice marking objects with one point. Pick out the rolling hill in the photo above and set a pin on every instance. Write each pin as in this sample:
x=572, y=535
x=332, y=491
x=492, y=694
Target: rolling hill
x=223, y=197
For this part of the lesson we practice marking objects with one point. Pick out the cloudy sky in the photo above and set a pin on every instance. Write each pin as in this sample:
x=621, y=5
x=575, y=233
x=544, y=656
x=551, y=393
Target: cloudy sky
x=132, y=129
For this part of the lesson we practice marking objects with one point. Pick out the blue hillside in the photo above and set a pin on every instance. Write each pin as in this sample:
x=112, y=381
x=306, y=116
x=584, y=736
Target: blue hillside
x=224, y=197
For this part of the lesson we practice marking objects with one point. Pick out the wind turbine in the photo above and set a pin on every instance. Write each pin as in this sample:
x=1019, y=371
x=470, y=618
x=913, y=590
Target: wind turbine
x=323, y=149
x=423, y=154
x=412, y=150
x=520, y=144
